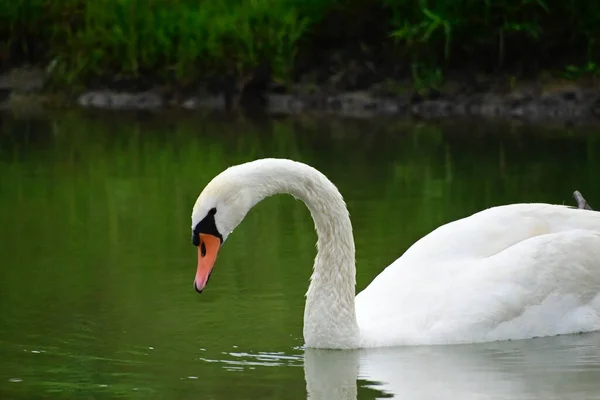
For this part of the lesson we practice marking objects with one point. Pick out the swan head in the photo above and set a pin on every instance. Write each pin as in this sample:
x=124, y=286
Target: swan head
x=219, y=209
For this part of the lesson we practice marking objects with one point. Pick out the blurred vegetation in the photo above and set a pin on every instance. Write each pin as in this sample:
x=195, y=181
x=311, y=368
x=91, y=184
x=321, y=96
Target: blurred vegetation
x=175, y=39
x=181, y=41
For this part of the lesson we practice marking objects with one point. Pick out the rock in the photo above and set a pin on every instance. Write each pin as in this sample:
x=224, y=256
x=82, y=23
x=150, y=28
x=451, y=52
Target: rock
x=121, y=101
x=492, y=106
x=210, y=102
x=23, y=80
x=284, y=104
x=20, y=82
x=468, y=96
x=433, y=109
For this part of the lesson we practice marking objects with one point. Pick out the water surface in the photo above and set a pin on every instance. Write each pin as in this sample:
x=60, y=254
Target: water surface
x=96, y=266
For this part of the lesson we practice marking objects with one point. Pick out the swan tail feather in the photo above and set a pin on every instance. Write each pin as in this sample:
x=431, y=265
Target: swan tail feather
x=581, y=202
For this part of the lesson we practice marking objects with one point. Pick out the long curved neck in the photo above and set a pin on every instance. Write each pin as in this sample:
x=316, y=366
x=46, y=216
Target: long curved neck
x=329, y=315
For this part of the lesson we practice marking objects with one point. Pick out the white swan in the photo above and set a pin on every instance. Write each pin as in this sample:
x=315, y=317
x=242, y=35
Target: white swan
x=509, y=272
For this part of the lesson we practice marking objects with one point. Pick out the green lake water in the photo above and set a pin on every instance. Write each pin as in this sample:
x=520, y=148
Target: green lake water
x=97, y=266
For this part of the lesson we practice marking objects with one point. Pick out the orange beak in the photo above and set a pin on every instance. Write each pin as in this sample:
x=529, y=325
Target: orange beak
x=207, y=254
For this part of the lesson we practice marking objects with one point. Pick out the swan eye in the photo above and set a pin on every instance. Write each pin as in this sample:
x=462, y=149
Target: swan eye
x=206, y=226
x=203, y=249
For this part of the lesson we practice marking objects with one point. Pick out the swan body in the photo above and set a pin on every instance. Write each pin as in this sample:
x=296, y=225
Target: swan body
x=509, y=272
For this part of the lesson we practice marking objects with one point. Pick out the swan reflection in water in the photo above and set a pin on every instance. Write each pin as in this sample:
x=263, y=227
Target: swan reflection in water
x=563, y=367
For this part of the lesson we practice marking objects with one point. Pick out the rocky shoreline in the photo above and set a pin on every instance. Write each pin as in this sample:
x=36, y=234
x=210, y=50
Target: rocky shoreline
x=559, y=101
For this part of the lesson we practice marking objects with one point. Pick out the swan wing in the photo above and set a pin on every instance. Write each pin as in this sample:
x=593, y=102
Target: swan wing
x=490, y=231
x=543, y=280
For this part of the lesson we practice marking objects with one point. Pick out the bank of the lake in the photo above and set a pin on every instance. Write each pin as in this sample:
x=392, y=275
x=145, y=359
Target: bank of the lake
x=556, y=101
x=511, y=59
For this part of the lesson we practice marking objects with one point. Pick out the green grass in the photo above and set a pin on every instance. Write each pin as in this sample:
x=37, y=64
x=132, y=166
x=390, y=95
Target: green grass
x=524, y=36
x=469, y=25
x=181, y=41
x=174, y=39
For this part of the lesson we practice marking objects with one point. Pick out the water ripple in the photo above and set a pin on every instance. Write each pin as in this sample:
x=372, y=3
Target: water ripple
x=237, y=361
